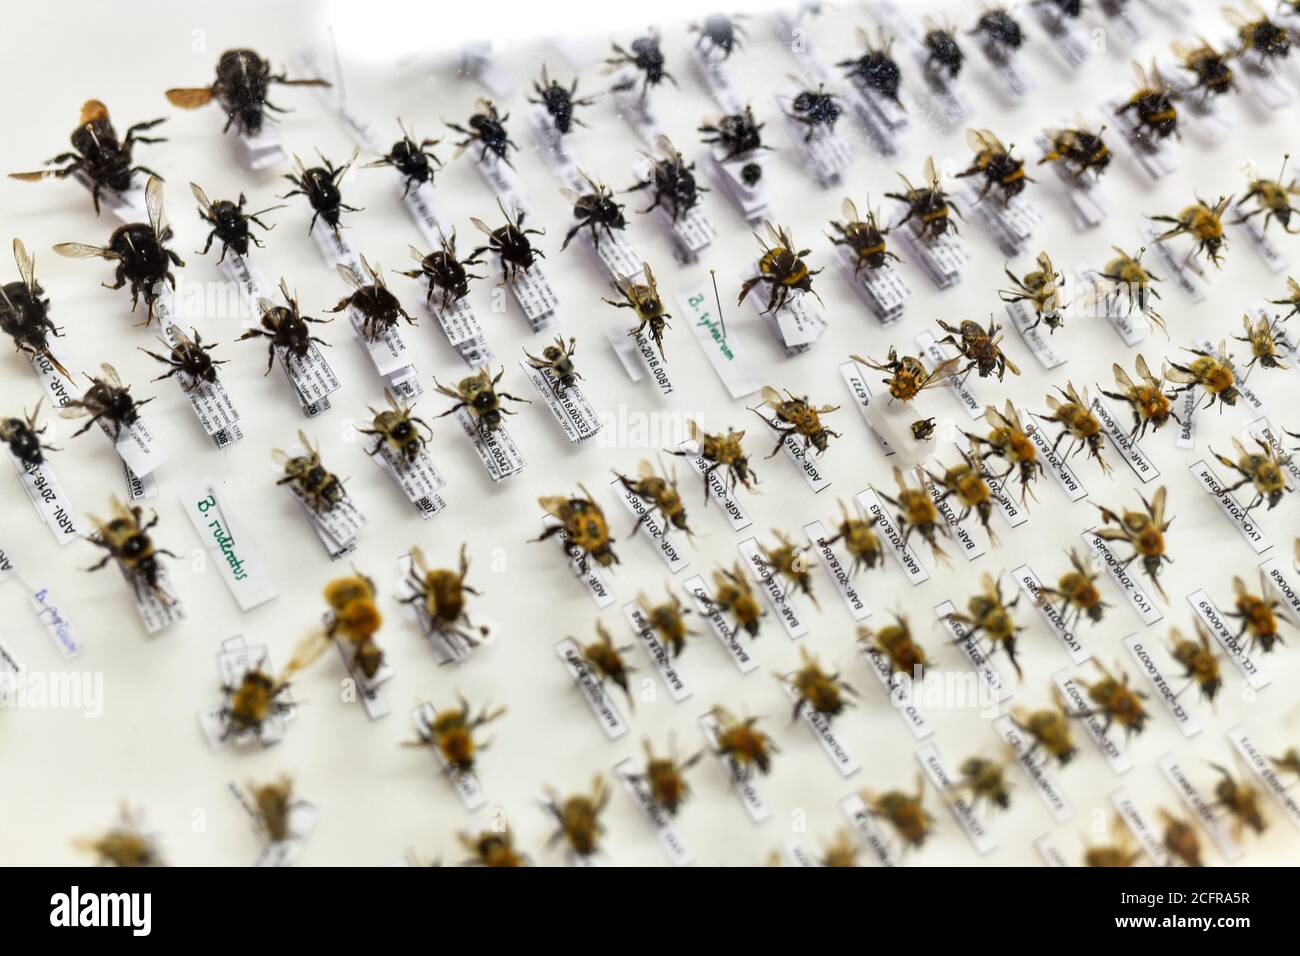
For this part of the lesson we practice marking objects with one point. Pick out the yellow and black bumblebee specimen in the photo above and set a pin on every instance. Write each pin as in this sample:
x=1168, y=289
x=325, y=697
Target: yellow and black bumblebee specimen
x=510, y=243
x=994, y=162
x=782, y=267
x=125, y=844
x=594, y=209
x=140, y=251
x=560, y=101
x=319, y=185
x=1292, y=298
x=107, y=402
x=1130, y=276
x=1049, y=728
x=875, y=69
x=1199, y=662
x=486, y=130
x=644, y=300
x=986, y=781
x=788, y=561
x=1258, y=615
x=479, y=394
x=1143, y=531
x=721, y=34
x=737, y=134
x=673, y=180
x=189, y=357
x=864, y=237
x=272, y=804
x=377, y=307
x=1262, y=470
x=816, y=690
x=660, y=493
x=583, y=525
x=1204, y=223
x=578, y=817
x=1009, y=441
x=24, y=438
x=668, y=621
x=1079, y=150
x=1155, y=117
x=1077, y=591
x=605, y=659
x=928, y=204
x=354, y=617
x=997, y=27
x=721, y=451
x=451, y=733
x=980, y=347
x=842, y=850
x=1115, y=702
x=1263, y=338
x=125, y=536
x=1077, y=420
x=319, y=488
x=1289, y=762
x=1120, y=852
x=917, y=512
x=98, y=154
x=908, y=376
x=1240, y=801
x=1212, y=372
x=1213, y=75
x=396, y=428
x=942, y=52
x=967, y=484
x=241, y=88
x=259, y=696
x=645, y=58
x=988, y=616
x=285, y=328
x=1150, y=405
x=1041, y=288
x=556, y=361
x=666, y=777
x=440, y=593
x=25, y=311
x=1258, y=34
x=923, y=428
x=733, y=595
x=1180, y=839
x=742, y=743
x=794, y=416
x=492, y=848
x=414, y=160
x=895, y=643
x=445, y=272
x=904, y=812
x=815, y=109
x=229, y=223
x=859, y=537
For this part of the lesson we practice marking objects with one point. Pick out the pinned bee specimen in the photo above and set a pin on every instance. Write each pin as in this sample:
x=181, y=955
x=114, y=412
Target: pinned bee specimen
x=584, y=528
x=594, y=210
x=986, y=782
x=560, y=102
x=864, y=238
x=1079, y=150
x=660, y=494
x=736, y=135
x=1009, y=441
x=645, y=58
x=1180, y=839
x=859, y=537
x=923, y=429
x=908, y=376
x=241, y=88
x=486, y=131
x=376, y=307
x=451, y=734
x=904, y=812
x=319, y=488
x=841, y=850
x=1077, y=591
x=1049, y=729
x=478, y=394
x=1258, y=615
x=1261, y=39
x=415, y=161
x=98, y=155
x=1289, y=762
x=1144, y=532
x=140, y=251
x=943, y=54
x=720, y=35
x=816, y=690
x=126, y=539
x=107, y=402
x=1272, y=198
x=1076, y=418
x=1292, y=300
x=644, y=300
x=895, y=643
x=1197, y=658
x=24, y=438
x=25, y=311
x=996, y=26
x=988, y=616
x=444, y=272
x=815, y=110
x=994, y=162
x=492, y=848
x=354, y=618
x=980, y=347
x=1115, y=702
x=578, y=818
x=1263, y=340
x=285, y=328
x=557, y=361
x=875, y=70
x=320, y=186
x=1041, y=288
x=668, y=621
x=666, y=777
x=1212, y=372
x=509, y=243
x=397, y=430
x=742, y=744
x=189, y=358
x=917, y=512
x=1239, y=801
x=1130, y=276
x=1204, y=223
x=966, y=483
x=229, y=223
x=794, y=416
x=928, y=205
x=1212, y=73
x=272, y=805
x=260, y=697
x=123, y=845
x=733, y=595
x=672, y=179
x=781, y=267
x=721, y=451
x=440, y=594
x=788, y=561
x=1154, y=117
x=1262, y=470
x=1119, y=853
x=1148, y=402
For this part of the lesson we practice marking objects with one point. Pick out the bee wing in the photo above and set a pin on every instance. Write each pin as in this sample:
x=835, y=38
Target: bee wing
x=1144, y=371
x=1045, y=263
x=1011, y=366
x=1241, y=449
x=1158, y=506
x=299, y=169
x=665, y=147
x=74, y=409
x=942, y=371
x=34, y=176
x=849, y=211
x=280, y=456
x=418, y=560
x=931, y=175
x=553, y=505
x=81, y=250
x=26, y=265
x=649, y=276
x=995, y=418
x=348, y=276
x=110, y=375
x=200, y=195
x=773, y=234
x=1121, y=376
x=153, y=201
x=181, y=338
x=771, y=396
x=1234, y=17
x=1052, y=403
x=356, y=151
x=189, y=98
x=644, y=469
x=481, y=226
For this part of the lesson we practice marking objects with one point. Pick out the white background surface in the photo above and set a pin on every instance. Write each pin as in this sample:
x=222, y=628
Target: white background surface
x=65, y=774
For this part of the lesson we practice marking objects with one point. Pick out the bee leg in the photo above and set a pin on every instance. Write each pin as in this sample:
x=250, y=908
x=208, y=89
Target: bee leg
x=99, y=564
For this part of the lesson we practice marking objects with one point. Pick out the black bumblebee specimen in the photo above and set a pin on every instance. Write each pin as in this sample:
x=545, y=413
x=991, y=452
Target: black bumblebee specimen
x=399, y=429
x=1258, y=34
x=864, y=237
x=25, y=311
x=98, y=154
x=487, y=128
x=1204, y=223
x=736, y=133
x=510, y=243
x=995, y=163
x=319, y=488
x=942, y=53
x=229, y=223
x=673, y=181
x=646, y=58
x=979, y=346
x=188, y=358
x=928, y=204
x=781, y=267
x=1079, y=150
x=108, y=401
x=720, y=34
x=557, y=361
x=594, y=209
x=414, y=160
x=643, y=298
x=1154, y=114
x=999, y=28
x=125, y=536
x=139, y=251
x=320, y=184
x=1272, y=197
x=794, y=416
x=443, y=271
x=660, y=493
x=243, y=82
x=378, y=308
x=586, y=536
x=721, y=451
x=875, y=69
x=1066, y=8
x=560, y=102
x=815, y=109
x=1213, y=75
x=284, y=327
x=24, y=438
x=478, y=393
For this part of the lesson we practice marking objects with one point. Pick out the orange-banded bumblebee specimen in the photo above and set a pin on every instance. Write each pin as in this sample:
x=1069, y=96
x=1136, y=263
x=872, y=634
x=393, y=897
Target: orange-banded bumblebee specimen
x=1077, y=590
x=986, y=781
x=816, y=690
x=444, y=272
x=256, y=699
x=492, y=848
x=355, y=618
x=1049, y=728
x=241, y=88
x=864, y=237
x=672, y=179
x=451, y=733
x=1180, y=839
x=875, y=69
x=107, y=401
x=125, y=536
x=1292, y=298
x=1152, y=104
x=578, y=817
x=510, y=243
x=1263, y=340
x=1204, y=223
x=272, y=805
x=319, y=488
x=486, y=129
x=1079, y=150
x=1076, y=418
x=643, y=299
x=1262, y=470
x=190, y=356
x=1258, y=34
x=229, y=223
x=794, y=416
x=782, y=267
x=1115, y=702
x=398, y=429
x=988, y=616
x=1289, y=762
x=1212, y=372
x=1009, y=441
x=896, y=644
x=478, y=393
x=125, y=844
x=740, y=742
x=1144, y=532
x=980, y=347
x=841, y=850
x=666, y=776
x=441, y=593
x=415, y=160
x=928, y=204
x=1130, y=276
x=377, y=307
x=557, y=361
x=1240, y=801
x=593, y=210
x=1272, y=197
x=605, y=659
x=660, y=492
x=1149, y=404
x=917, y=512
x=1258, y=615
x=1041, y=288
x=721, y=451
x=1118, y=853
x=25, y=311
x=994, y=162
x=285, y=328
x=1199, y=662
x=1212, y=73
x=668, y=621
x=24, y=438
x=584, y=527
x=733, y=595
x=967, y=484
x=904, y=812
x=908, y=376
x=859, y=537
x=98, y=154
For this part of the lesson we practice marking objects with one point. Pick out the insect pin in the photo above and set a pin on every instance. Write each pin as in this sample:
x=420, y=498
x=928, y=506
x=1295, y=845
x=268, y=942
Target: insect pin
x=107, y=402
x=996, y=165
x=478, y=394
x=560, y=101
x=451, y=733
x=285, y=328
x=1150, y=405
x=582, y=526
x=927, y=204
x=648, y=306
x=241, y=88
x=187, y=358
x=1144, y=532
x=486, y=131
x=320, y=186
x=414, y=160
x=229, y=223
x=1041, y=288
